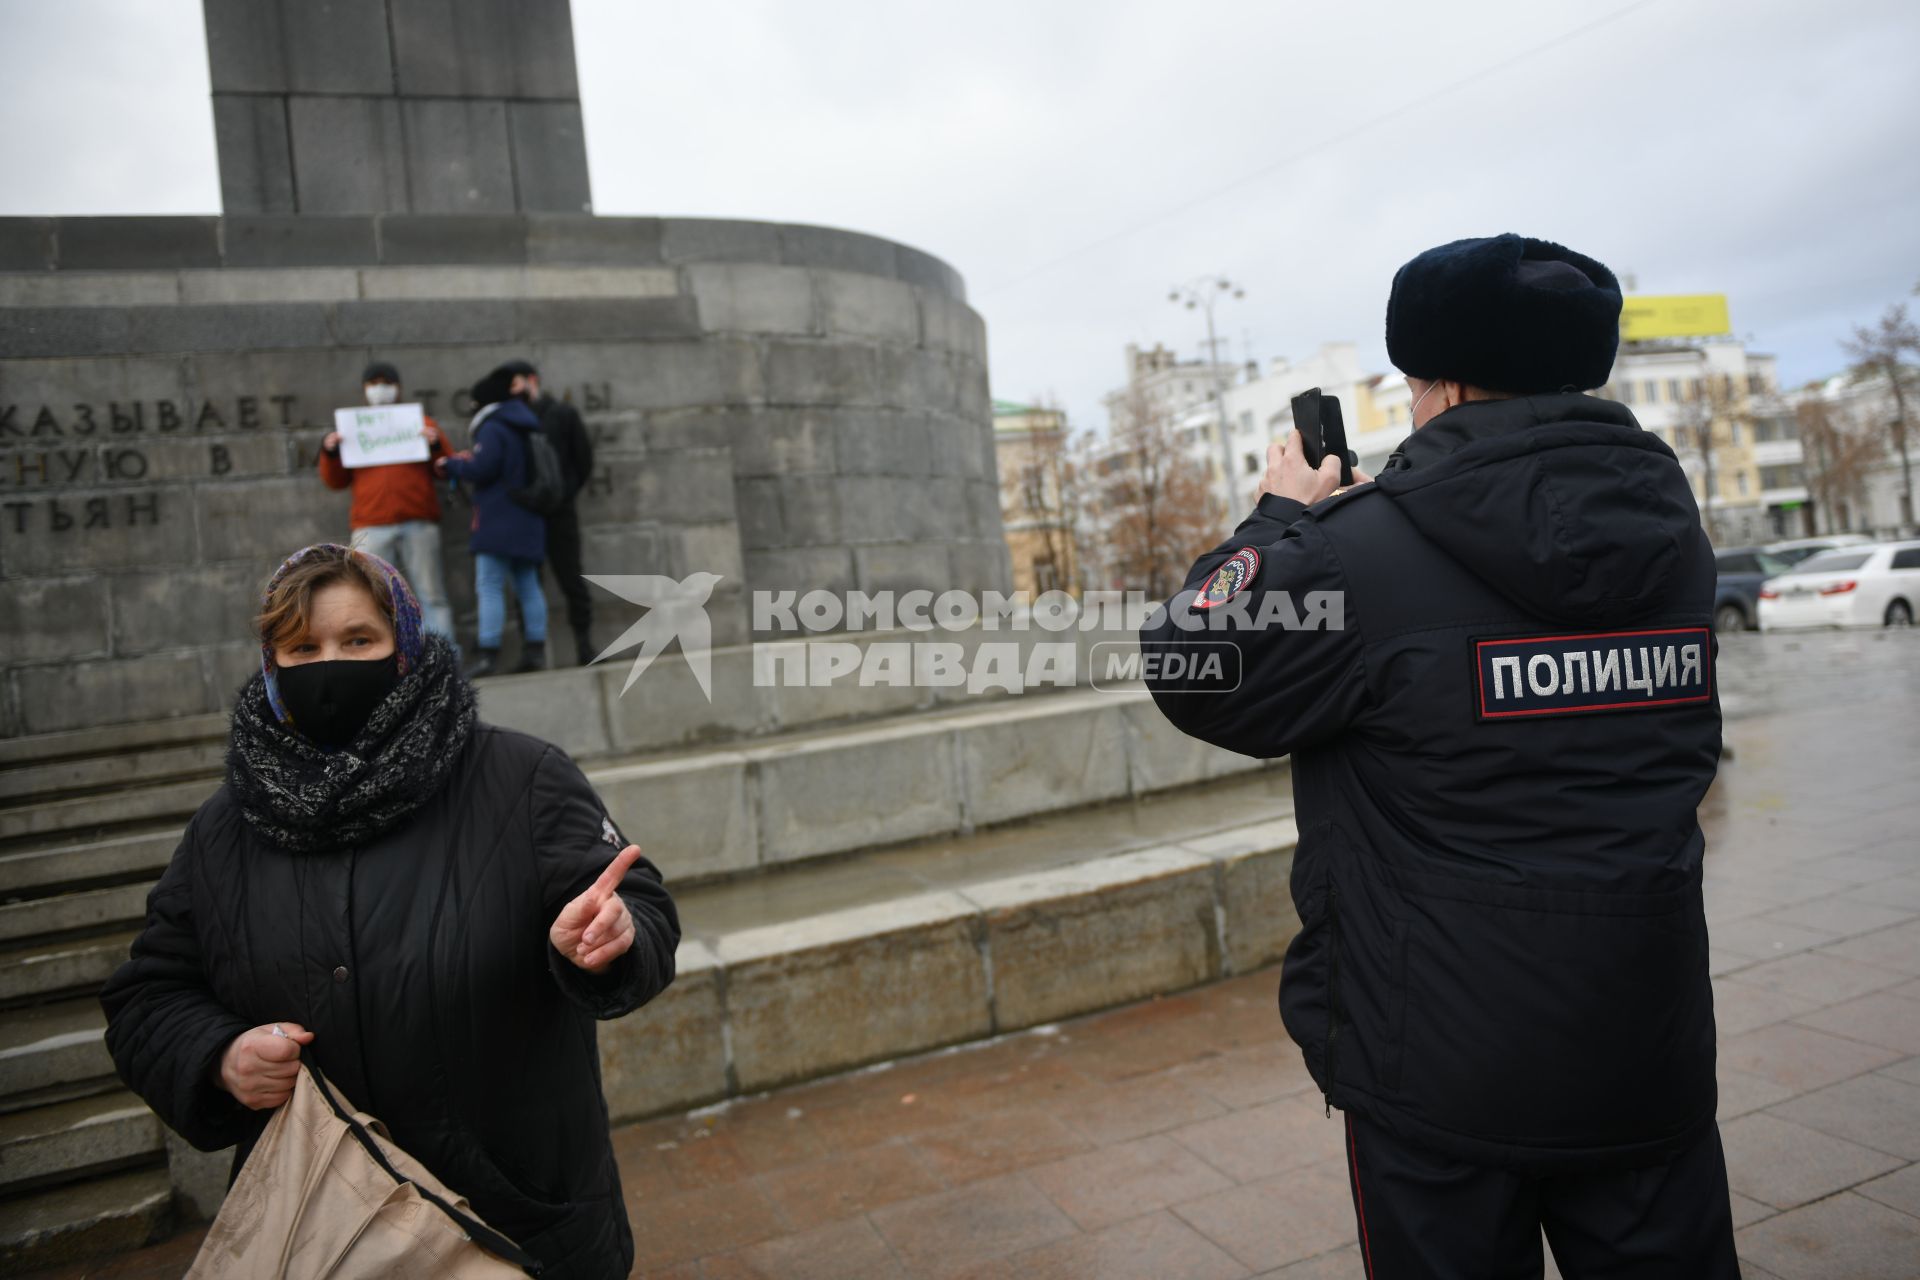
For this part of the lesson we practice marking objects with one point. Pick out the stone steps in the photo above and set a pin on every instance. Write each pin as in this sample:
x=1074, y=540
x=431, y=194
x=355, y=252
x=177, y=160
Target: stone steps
x=81, y=1220
x=88, y=909
x=51, y=1046
x=825, y=967
x=94, y=817
x=783, y=799
x=37, y=872
x=67, y=1140
x=34, y=783
x=1212, y=882
x=34, y=749
x=830, y=792
x=586, y=710
x=39, y=970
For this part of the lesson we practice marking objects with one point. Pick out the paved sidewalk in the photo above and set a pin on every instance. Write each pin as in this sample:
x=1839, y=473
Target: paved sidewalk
x=1181, y=1138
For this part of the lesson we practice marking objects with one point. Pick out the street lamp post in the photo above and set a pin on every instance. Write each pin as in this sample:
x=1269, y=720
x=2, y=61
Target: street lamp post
x=1201, y=294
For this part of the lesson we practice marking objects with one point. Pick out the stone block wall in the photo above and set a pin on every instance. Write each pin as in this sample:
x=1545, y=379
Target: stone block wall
x=788, y=407
x=374, y=106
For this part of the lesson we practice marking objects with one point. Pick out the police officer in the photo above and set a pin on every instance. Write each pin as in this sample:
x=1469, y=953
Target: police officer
x=1493, y=669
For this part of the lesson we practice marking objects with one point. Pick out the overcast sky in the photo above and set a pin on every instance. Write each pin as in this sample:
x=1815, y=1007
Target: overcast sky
x=1074, y=159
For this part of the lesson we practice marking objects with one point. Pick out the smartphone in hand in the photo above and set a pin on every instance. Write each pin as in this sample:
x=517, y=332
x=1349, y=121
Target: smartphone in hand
x=1322, y=431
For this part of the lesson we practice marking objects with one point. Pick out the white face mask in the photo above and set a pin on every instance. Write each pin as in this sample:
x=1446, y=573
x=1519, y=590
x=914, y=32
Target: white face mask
x=382, y=393
x=1416, y=404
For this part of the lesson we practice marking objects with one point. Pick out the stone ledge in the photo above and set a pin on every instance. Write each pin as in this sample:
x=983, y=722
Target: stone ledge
x=45, y=1143
x=39, y=244
x=809, y=773
x=70, y=1224
x=844, y=989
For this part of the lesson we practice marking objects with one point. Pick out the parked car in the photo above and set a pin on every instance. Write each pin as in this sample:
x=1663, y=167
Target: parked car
x=1794, y=550
x=1871, y=586
x=1736, y=601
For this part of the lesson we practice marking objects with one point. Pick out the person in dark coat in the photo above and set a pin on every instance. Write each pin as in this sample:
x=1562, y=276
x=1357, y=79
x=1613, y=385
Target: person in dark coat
x=561, y=423
x=1493, y=669
x=433, y=909
x=509, y=541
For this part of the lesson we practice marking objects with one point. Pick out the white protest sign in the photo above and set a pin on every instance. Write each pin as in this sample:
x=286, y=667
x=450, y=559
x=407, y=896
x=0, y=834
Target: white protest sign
x=377, y=435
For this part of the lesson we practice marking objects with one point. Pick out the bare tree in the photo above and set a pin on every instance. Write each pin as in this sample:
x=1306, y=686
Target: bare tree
x=1882, y=351
x=1041, y=494
x=1697, y=421
x=1155, y=506
x=1839, y=457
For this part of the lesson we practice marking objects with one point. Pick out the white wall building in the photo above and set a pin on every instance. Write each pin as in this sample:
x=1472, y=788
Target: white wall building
x=1874, y=506
x=1260, y=408
x=1181, y=392
x=1162, y=383
x=1759, y=488
x=1759, y=481
x=1257, y=409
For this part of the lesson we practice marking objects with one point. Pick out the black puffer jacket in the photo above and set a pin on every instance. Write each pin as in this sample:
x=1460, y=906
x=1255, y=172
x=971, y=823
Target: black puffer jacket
x=571, y=440
x=1497, y=758
x=420, y=962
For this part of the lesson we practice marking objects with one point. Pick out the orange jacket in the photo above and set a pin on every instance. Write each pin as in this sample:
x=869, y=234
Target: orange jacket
x=390, y=494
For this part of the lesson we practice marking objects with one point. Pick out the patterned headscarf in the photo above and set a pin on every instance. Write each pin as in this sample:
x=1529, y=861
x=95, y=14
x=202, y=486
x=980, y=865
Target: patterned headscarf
x=409, y=635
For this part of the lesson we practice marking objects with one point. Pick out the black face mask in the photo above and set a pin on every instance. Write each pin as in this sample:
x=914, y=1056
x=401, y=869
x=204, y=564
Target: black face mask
x=330, y=701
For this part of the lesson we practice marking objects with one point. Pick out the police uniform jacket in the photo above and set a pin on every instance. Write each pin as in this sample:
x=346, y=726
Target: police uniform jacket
x=1500, y=729
x=420, y=962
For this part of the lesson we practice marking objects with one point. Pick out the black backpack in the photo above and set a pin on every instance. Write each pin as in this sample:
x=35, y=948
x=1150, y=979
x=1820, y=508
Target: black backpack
x=546, y=489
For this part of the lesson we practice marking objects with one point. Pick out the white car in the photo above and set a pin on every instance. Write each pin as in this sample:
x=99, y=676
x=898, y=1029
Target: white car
x=1872, y=586
x=1794, y=550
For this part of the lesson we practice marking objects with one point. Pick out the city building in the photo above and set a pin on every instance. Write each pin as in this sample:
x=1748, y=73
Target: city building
x=1260, y=408
x=1031, y=444
x=1717, y=405
x=1853, y=460
x=1184, y=395
x=1719, y=408
x=1255, y=403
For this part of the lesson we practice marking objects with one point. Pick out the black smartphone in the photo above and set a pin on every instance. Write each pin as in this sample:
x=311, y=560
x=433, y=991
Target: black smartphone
x=1306, y=421
x=1322, y=431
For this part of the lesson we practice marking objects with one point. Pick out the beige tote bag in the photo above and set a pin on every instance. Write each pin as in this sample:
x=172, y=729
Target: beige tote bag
x=326, y=1193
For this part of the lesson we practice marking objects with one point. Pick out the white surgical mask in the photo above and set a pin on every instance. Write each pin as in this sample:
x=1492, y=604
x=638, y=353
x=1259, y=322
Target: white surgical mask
x=1416, y=404
x=382, y=393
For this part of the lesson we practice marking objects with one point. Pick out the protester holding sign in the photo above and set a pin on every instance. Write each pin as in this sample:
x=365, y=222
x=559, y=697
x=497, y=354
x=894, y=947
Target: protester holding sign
x=395, y=512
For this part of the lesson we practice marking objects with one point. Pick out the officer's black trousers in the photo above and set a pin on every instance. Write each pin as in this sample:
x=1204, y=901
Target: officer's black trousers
x=563, y=554
x=1427, y=1216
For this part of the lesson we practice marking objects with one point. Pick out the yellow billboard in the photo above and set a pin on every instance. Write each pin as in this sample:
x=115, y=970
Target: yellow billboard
x=1674, y=315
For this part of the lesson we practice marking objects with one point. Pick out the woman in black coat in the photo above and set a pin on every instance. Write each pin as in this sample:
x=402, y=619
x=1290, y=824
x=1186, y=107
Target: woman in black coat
x=433, y=909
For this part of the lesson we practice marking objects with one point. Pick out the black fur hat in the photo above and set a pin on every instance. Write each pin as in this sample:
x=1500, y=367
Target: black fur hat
x=1505, y=313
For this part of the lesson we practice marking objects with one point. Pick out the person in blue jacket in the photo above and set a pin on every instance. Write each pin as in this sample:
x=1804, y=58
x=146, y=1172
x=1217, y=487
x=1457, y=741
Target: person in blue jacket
x=509, y=541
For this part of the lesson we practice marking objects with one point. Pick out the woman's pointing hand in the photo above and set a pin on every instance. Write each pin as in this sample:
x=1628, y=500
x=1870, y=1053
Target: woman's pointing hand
x=595, y=929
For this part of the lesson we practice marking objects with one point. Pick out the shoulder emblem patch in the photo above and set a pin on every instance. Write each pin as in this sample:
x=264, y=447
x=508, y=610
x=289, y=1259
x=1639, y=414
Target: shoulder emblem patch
x=1600, y=671
x=1229, y=580
x=610, y=835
